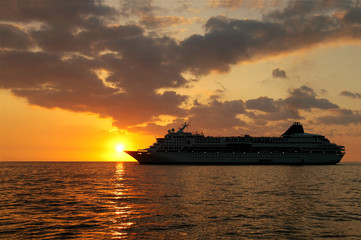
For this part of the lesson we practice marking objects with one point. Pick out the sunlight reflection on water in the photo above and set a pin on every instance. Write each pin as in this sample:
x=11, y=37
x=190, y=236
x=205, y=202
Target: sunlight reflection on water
x=122, y=211
x=130, y=201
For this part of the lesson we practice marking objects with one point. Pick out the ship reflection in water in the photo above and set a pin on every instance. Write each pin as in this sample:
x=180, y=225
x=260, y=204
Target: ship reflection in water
x=131, y=201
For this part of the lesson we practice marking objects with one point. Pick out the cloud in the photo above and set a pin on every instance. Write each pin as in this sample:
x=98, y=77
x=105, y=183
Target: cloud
x=63, y=73
x=264, y=104
x=301, y=10
x=41, y=70
x=14, y=37
x=229, y=41
x=220, y=115
x=234, y=4
x=305, y=98
x=50, y=81
x=225, y=3
x=232, y=114
x=302, y=98
x=341, y=117
x=137, y=7
x=215, y=117
x=279, y=73
x=226, y=42
x=350, y=94
x=163, y=21
x=61, y=46
x=53, y=12
x=353, y=16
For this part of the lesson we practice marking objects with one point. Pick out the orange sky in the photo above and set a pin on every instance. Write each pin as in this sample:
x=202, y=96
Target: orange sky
x=79, y=78
x=37, y=134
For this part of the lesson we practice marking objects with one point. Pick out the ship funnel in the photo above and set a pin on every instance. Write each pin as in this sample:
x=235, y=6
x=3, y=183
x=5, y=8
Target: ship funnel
x=295, y=128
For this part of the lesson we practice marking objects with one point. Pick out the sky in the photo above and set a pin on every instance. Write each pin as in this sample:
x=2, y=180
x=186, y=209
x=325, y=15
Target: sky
x=80, y=78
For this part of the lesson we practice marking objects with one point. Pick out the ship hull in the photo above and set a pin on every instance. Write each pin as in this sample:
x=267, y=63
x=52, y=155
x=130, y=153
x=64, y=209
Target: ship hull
x=214, y=158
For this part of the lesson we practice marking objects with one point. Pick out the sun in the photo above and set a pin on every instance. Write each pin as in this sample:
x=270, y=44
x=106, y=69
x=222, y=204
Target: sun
x=119, y=147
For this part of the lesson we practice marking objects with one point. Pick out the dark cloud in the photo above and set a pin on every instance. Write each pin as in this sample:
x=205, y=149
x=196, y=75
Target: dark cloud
x=152, y=128
x=279, y=73
x=41, y=70
x=341, y=117
x=264, y=104
x=147, y=13
x=305, y=98
x=71, y=84
x=302, y=98
x=230, y=113
x=228, y=41
x=217, y=115
x=353, y=15
x=63, y=73
x=301, y=10
x=14, y=37
x=52, y=52
x=137, y=7
x=350, y=94
x=160, y=21
x=53, y=12
x=214, y=118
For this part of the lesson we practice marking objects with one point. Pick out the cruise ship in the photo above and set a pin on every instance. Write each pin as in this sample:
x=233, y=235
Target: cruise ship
x=294, y=146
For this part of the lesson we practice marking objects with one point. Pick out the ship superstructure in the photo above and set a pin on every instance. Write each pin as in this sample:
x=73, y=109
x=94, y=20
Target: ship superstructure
x=292, y=147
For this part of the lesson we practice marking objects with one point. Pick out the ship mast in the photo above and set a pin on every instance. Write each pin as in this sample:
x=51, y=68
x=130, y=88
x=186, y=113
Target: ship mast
x=183, y=127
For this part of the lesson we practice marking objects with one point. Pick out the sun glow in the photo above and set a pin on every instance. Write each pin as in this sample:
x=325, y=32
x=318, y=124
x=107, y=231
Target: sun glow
x=119, y=147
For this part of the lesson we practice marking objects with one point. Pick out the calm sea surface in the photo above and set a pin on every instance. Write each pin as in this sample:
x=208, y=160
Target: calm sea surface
x=61, y=200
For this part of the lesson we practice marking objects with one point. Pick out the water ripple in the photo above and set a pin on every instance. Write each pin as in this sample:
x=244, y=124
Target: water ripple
x=130, y=201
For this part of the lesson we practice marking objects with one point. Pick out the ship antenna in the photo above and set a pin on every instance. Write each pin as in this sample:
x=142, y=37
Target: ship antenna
x=188, y=124
x=184, y=125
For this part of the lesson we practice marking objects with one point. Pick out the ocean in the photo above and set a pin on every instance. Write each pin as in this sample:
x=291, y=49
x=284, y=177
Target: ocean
x=109, y=200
